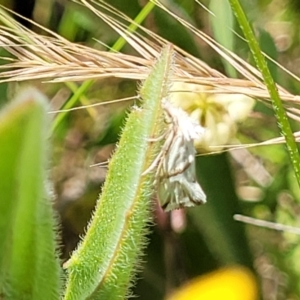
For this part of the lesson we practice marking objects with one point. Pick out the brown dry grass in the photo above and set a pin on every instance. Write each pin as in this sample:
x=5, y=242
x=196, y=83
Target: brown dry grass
x=55, y=59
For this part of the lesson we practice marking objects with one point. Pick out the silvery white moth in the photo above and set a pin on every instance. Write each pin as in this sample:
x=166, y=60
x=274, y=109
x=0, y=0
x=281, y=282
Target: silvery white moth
x=176, y=175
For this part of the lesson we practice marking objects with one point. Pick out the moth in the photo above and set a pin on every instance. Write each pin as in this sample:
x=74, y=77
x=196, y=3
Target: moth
x=176, y=175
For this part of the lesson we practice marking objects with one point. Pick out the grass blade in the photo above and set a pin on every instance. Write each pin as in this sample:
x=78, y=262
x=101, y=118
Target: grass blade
x=278, y=107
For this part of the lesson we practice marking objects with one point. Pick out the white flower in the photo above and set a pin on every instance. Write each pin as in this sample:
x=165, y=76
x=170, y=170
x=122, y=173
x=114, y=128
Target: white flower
x=217, y=113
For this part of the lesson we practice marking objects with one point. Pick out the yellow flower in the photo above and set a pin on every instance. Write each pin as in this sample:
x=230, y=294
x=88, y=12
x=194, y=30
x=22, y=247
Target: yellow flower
x=217, y=113
x=235, y=283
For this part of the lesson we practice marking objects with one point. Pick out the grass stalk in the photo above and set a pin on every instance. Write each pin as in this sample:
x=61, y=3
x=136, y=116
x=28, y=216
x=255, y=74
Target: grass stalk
x=277, y=104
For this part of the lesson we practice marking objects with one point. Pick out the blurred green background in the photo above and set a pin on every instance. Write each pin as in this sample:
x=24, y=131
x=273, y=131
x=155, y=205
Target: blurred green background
x=197, y=241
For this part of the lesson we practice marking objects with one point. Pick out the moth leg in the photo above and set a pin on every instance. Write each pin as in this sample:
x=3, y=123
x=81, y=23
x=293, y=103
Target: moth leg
x=157, y=139
x=153, y=164
x=164, y=150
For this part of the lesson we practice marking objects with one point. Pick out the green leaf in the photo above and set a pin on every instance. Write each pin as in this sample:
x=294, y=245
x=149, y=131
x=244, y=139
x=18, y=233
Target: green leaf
x=103, y=264
x=268, y=46
x=223, y=24
x=29, y=268
x=173, y=31
x=215, y=219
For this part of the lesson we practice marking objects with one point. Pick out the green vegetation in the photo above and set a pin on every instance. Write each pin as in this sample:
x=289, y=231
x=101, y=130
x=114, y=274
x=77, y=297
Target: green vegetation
x=59, y=238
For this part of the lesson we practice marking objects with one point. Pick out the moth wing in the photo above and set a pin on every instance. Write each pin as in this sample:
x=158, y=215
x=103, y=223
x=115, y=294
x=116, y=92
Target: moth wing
x=182, y=189
x=185, y=191
x=174, y=195
x=176, y=177
x=170, y=195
